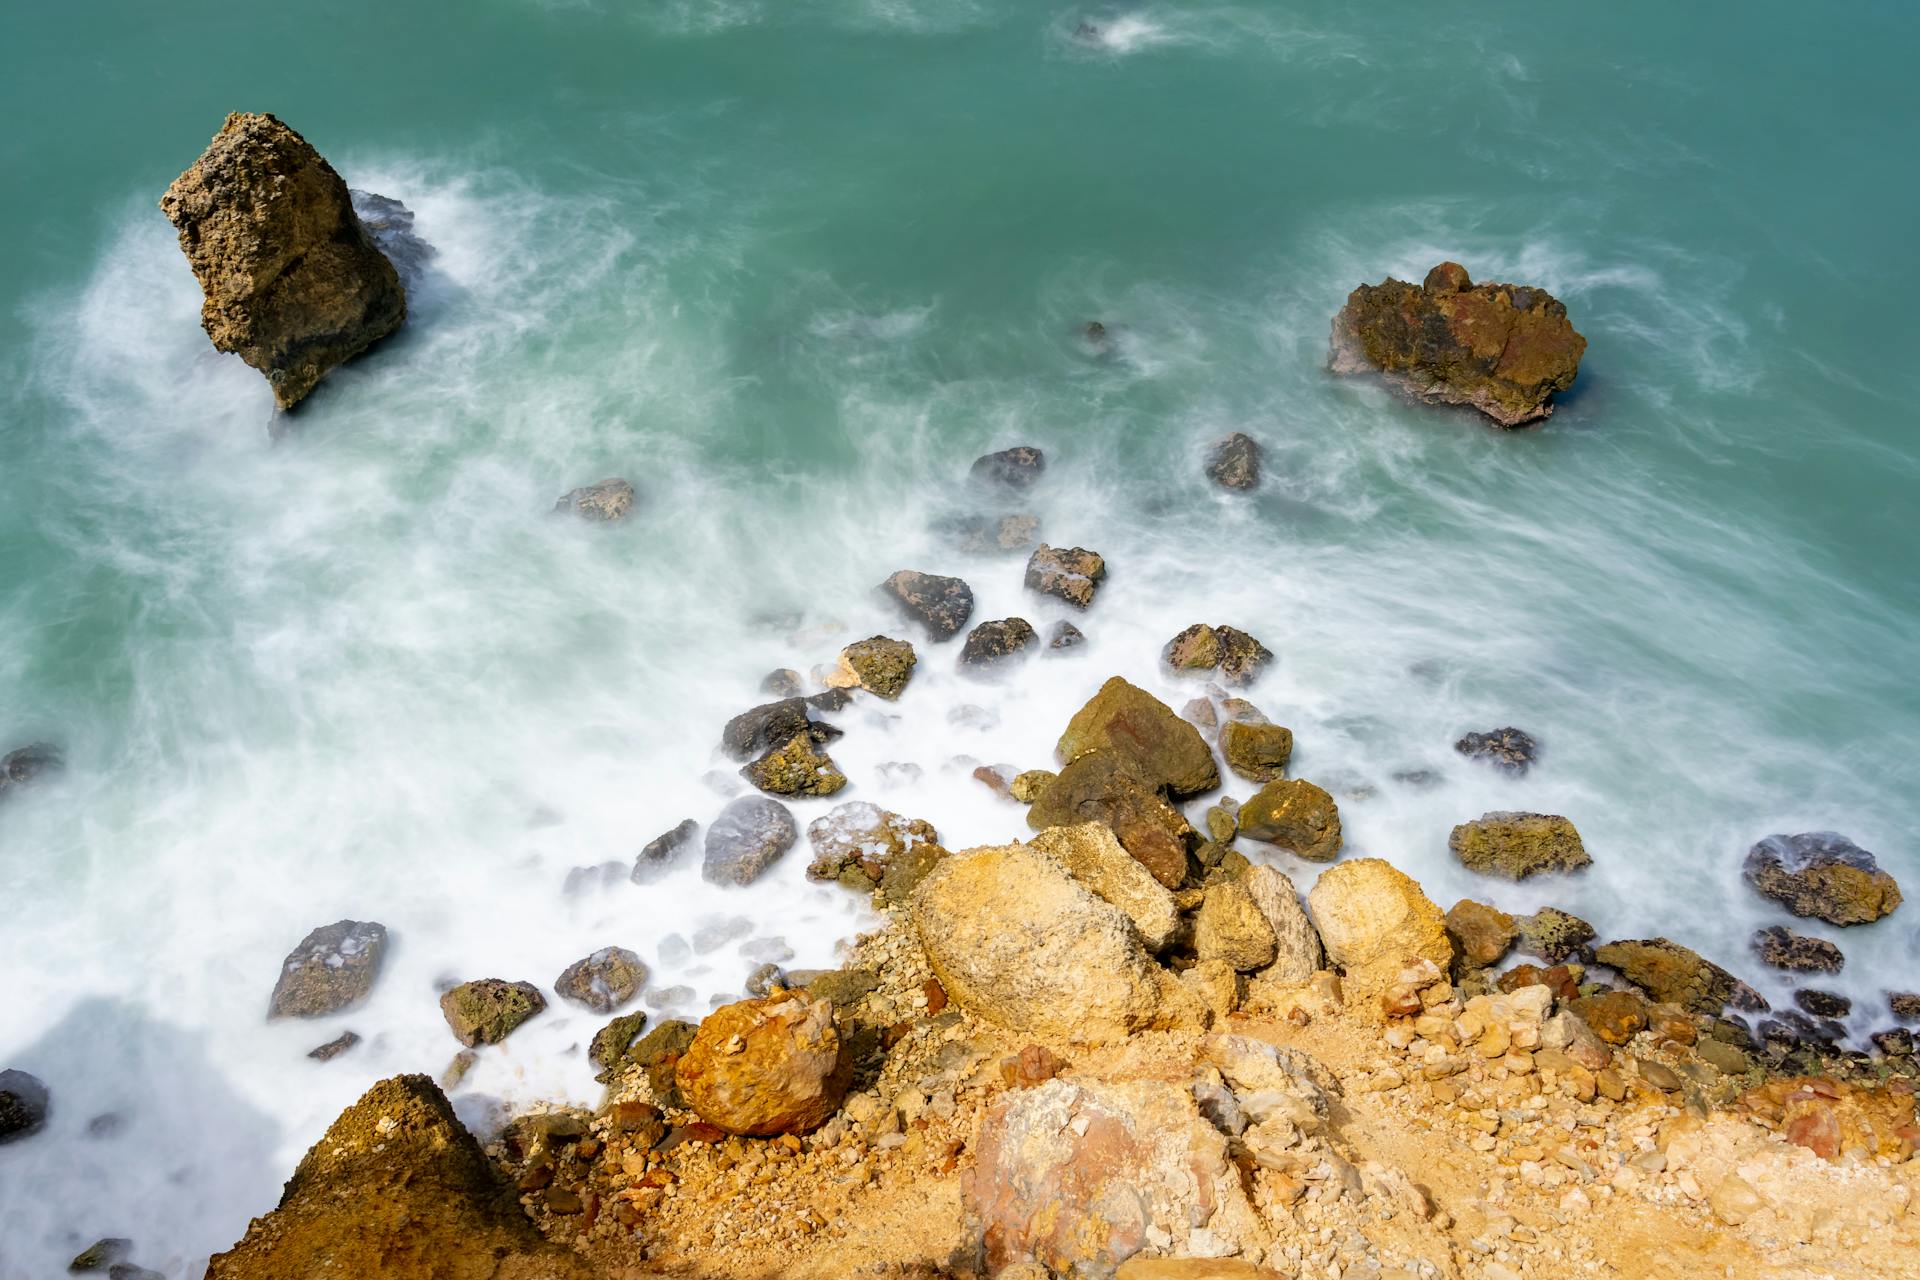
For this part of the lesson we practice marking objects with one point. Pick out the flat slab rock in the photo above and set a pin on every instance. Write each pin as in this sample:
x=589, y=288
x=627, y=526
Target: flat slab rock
x=1824, y=875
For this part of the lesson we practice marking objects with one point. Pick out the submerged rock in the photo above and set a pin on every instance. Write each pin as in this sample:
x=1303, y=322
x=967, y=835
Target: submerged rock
x=1016, y=468
x=782, y=682
x=604, y=501
x=1514, y=846
x=1824, y=875
x=1503, y=349
x=389, y=224
x=660, y=853
x=1235, y=656
x=941, y=605
x=1670, y=973
x=487, y=1010
x=1144, y=730
x=19, y=767
x=335, y=1047
x=293, y=283
x=1296, y=815
x=602, y=981
x=1072, y=574
x=864, y=847
x=987, y=535
x=992, y=645
x=766, y=1066
x=332, y=969
x=1234, y=462
x=101, y=1254
x=1064, y=635
x=1782, y=948
x=397, y=1189
x=746, y=839
x=24, y=1103
x=1509, y=749
x=879, y=664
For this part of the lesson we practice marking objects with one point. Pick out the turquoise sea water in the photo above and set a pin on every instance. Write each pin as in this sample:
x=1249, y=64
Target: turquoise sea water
x=790, y=268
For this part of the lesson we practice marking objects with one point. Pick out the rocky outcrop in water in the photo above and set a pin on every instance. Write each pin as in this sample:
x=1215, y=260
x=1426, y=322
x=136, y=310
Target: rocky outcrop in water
x=941, y=605
x=992, y=645
x=658, y=855
x=19, y=767
x=1296, y=815
x=1234, y=462
x=1503, y=349
x=603, y=502
x=24, y=1102
x=293, y=283
x=1016, y=468
x=746, y=839
x=1137, y=726
x=1110, y=788
x=1509, y=749
x=332, y=969
x=488, y=1010
x=767, y=1066
x=602, y=981
x=879, y=664
x=1072, y=574
x=1783, y=948
x=1514, y=846
x=1824, y=875
x=1228, y=652
x=866, y=847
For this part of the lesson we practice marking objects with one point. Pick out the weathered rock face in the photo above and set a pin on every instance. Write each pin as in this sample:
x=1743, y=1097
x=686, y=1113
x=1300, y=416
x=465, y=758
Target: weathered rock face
x=1015, y=939
x=1078, y=1176
x=865, y=847
x=1228, y=652
x=1374, y=919
x=24, y=1102
x=1517, y=845
x=1016, y=468
x=333, y=968
x=1481, y=935
x=1072, y=574
x=661, y=853
x=1824, y=875
x=993, y=645
x=604, y=501
x=796, y=769
x=602, y=981
x=608, y=1048
x=1296, y=815
x=1234, y=462
x=22, y=765
x=293, y=284
x=1094, y=857
x=1671, y=973
x=1554, y=935
x=1782, y=948
x=1064, y=635
x=397, y=1189
x=1230, y=927
x=1108, y=788
x=1297, y=950
x=767, y=1066
x=1139, y=727
x=879, y=664
x=1256, y=750
x=941, y=605
x=1616, y=1017
x=487, y=1010
x=1509, y=749
x=1027, y=786
x=746, y=839
x=1503, y=349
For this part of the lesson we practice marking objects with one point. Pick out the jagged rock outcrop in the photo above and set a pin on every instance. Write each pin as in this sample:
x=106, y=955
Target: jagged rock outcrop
x=1109, y=788
x=1234, y=461
x=1504, y=349
x=1237, y=657
x=1093, y=856
x=396, y=1190
x=293, y=283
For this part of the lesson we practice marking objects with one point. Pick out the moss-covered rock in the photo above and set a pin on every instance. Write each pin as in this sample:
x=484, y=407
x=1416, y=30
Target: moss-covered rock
x=1554, y=935
x=1258, y=752
x=1139, y=727
x=796, y=769
x=993, y=645
x=608, y=1049
x=1236, y=657
x=1517, y=845
x=1296, y=815
x=879, y=664
x=1823, y=875
x=771, y=726
x=1027, y=786
x=1503, y=349
x=332, y=969
x=1072, y=574
x=487, y=1010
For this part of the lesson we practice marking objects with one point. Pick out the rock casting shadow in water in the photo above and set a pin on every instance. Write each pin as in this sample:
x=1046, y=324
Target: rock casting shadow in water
x=116, y=1159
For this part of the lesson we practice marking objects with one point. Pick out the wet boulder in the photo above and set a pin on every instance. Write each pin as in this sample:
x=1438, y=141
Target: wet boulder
x=1256, y=750
x=866, y=847
x=1064, y=635
x=389, y=224
x=1823, y=1004
x=19, y=767
x=1510, y=750
x=994, y=645
x=24, y=1103
x=335, y=1047
x=1783, y=948
x=292, y=282
x=1500, y=348
x=602, y=981
x=660, y=854
x=1229, y=653
x=488, y=1010
x=1670, y=973
x=976, y=535
x=1515, y=846
x=766, y=1066
x=1072, y=574
x=1823, y=875
x=1144, y=730
x=1296, y=815
x=770, y=726
x=1110, y=789
x=879, y=664
x=1016, y=468
x=748, y=836
x=798, y=768
x=1553, y=935
x=1233, y=462
x=603, y=502
x=333, y=968
x=940, y=605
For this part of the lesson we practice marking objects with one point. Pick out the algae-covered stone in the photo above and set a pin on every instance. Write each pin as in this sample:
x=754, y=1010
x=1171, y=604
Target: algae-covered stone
x=879, y=664
x=332, y=969
x=770, y=726
x=1237, y=657
x=1554, y=935
x=1783, y=948
x=992, y=645
x=608, y=1049
x=1145, y=730
x=487, y=1010
x=747, y=837
x=1095, y=857
x=796, y=769
x=1234, y=462
x=604, y=501
x=1231, y=927
x=1824, y=875
x=1517, y=845
x=1072, y=574
x=863, y=846
x=1296, y=815
x=1257, y=752
x=1027, y=786
x=1670, y=973
x=941, y=605
x=602, y=981
x=1503, y=349
x=1108, y=788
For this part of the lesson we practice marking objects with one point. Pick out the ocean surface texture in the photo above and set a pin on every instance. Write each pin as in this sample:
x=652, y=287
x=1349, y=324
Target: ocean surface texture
x=789, y=268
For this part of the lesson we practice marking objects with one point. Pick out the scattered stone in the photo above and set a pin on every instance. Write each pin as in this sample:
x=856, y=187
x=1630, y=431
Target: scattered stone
x=608, y=1048
x=1670, y=973
x=1733, y=1199
x=1481, y=935
x=1823, y=1004
x=1822, y=874
x=1553, y=935
x=1105, y=787
x=1026, y=787
x=1064, y=635
x=1895, y=1043
x=462, y=1062
x=864, y=846
x=1783, y=948
x=1374, y=920
x=1094, y=857
x=1515, y=846
x=1502, y=349
x=1256, y=752
x=1297, y=951
x=878, y=664
x=1615, y=1016
x=334, y=1047
x=24, y=1103
x=1234, y=462
x=602, y=981
x=1143, y=729
x=842, y=988
x=663, y=851
x=767, y=1066
x=992, y=645
x=1296, y=815
x=941, y=605
x=1231, y=927
x=583, y=880
x=771, y=726
x=22, y=765
x=1202, y=650
x=1016, y=468
x=748, y=836
x=101, y=1254
x=1510, y=750
x=604, y=502
x=1568, y=1033
x=293, y=284
x=1723, y=1057
x=658, y=1053
x=1223, y=824
x=332, y=969
x=796, y=769
x=1072, y=574
x=487, y=1010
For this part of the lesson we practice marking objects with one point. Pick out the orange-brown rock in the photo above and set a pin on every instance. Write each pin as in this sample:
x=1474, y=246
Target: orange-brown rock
x=1615, y=1016
x=294, y=286
x=767, y=1066
x=1831, y=1117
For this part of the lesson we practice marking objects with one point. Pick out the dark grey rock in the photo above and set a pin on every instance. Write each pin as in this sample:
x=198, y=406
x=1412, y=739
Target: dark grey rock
x=334, y=1047
x=1016, y=468
x=1508, y=749
x=940, y=605
x=661, y=852
x=24, y=1103
x=746, y=839
x=602, y=981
